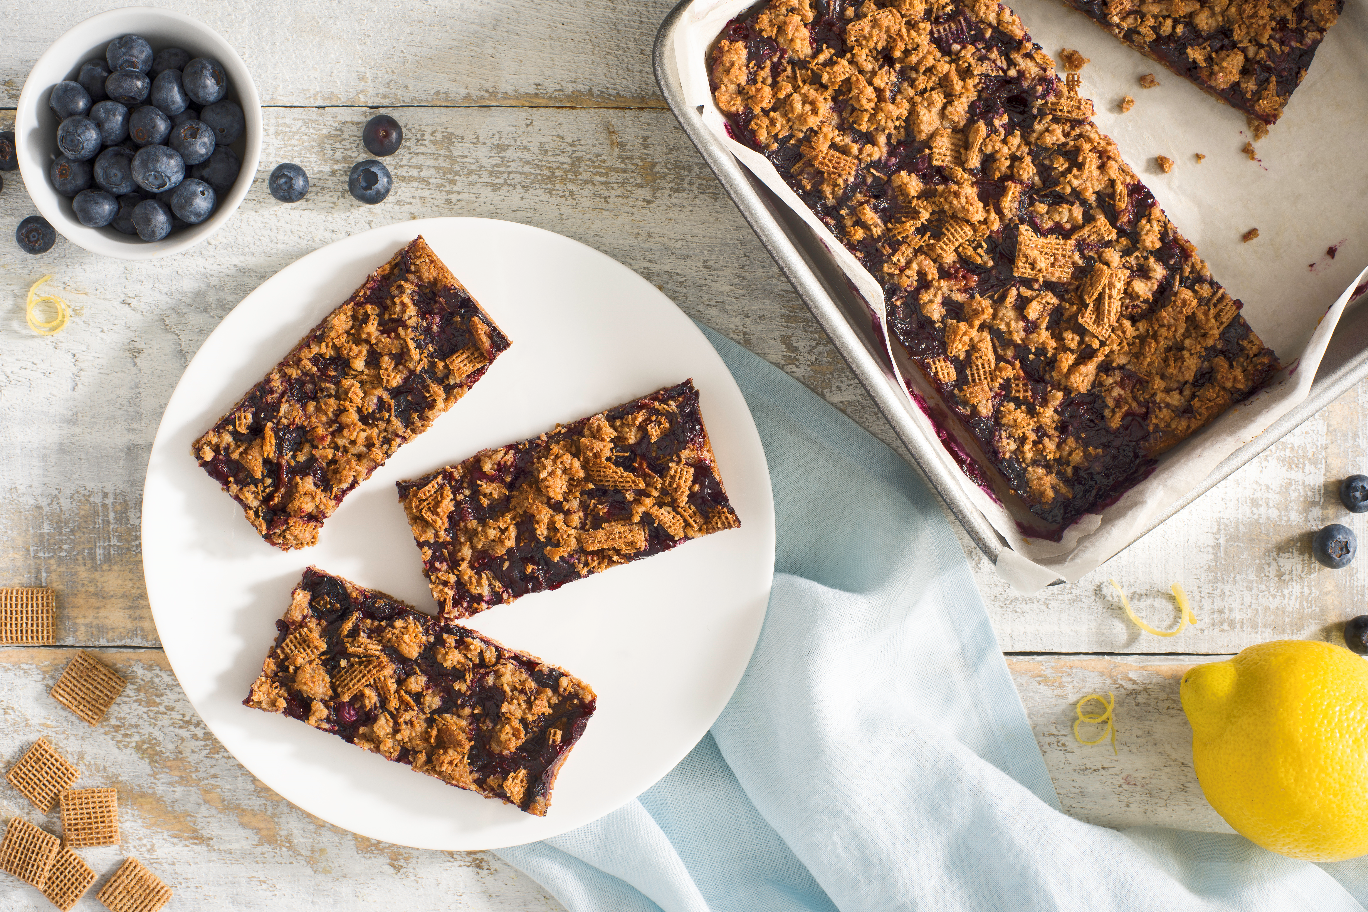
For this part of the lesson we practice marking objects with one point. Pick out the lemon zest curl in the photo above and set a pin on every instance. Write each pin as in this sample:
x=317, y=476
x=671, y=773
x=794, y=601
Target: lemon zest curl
x=1108, y=703
x=49, y=302
x=1185, y=615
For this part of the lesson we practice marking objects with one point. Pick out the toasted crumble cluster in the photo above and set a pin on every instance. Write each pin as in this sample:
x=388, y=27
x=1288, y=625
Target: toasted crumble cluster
x=1252, y=54
x=438, y=697
x=615, y=487
x=374, y=373
x=1029, y=274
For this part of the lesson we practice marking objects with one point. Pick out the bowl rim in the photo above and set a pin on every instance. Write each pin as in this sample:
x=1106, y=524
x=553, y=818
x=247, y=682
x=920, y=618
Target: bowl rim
x=58, y=58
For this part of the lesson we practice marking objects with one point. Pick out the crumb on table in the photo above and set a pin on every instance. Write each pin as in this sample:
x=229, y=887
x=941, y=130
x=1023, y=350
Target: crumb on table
x=1165, y=163
x=1249, y=235
x=1257, y=127
x=1072, y=60
x=1126, y=103
x=1249, y=152
x=1199, y=157
x=1148, y=81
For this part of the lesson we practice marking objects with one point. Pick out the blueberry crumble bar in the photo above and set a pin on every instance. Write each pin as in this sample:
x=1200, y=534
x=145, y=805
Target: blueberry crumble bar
x=627, y=483
x=438, y=697
x=1070, y=333
x=1251, y=54
x=373, y=374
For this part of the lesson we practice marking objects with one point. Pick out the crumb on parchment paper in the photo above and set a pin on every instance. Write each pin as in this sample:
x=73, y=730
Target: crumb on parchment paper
x=1072, y=60
x=1199, y=156
x=1126, y=103
x=1257, y=127
x=1165, y=163
x=1249, y=151
x=1249, y=235
x=1148, y=81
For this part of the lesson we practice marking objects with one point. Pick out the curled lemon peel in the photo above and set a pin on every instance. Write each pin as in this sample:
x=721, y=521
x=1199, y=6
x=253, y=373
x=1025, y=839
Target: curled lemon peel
x=1185, y=615
x=49, y=302
x=1108, y=703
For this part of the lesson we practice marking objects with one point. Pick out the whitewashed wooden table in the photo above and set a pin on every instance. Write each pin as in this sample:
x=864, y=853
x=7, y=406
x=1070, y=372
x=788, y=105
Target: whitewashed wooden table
x=549, y=115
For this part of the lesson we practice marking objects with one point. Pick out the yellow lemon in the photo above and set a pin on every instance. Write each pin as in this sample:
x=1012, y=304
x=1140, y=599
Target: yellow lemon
x=1280, y=745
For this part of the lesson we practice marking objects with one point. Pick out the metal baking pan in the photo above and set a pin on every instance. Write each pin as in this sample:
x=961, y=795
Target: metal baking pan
x=846, y=320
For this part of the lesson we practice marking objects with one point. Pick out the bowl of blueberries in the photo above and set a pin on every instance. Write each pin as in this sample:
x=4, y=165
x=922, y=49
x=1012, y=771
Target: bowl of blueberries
x=138, y=133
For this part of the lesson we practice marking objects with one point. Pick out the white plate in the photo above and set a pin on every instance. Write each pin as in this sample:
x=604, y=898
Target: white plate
x=663, y=641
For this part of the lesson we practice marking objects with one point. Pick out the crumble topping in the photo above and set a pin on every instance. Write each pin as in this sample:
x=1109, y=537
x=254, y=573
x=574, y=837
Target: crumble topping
x=1148, y=81
x=1126, y=104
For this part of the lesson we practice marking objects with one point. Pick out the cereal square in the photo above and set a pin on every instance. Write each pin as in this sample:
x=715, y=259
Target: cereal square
x=42, y=774
x=88, y=687
x=90, y=817
x=28, y=851
x=133, y=888
x=27, y=617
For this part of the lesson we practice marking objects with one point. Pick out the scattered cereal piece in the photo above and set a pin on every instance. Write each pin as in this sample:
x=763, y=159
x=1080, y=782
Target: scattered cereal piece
x=88, y=687
x=57, y=310
x=1148, y=81
x=1248, y=150
x=1249, y=235
x=90, y=817
x=1199, y=156
x=1257, y=127
x=27, y=616
x=1126, y=103
x=28, y=851
x=42, y=774
x=133, y=888
x=1107, y=703
x=1072, y=60
x=69, y=879
x=1165, y=163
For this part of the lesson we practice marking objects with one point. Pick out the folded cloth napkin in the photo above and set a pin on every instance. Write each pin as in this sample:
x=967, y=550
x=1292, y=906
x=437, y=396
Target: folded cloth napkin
x=876, y=755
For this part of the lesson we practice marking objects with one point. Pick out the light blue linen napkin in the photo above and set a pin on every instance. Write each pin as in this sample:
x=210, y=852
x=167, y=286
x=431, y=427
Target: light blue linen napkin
x=876, y=755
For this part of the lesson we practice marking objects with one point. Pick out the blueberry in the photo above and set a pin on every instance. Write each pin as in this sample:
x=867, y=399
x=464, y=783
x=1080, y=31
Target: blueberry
x=9, y=158
x=128, y=87
x=168, y=93
x=69, y=99
x=204, y=80
x=69, y=177
x=1354, y=493
x=112, y=119
x=113, y=171
x=79, y=138
x=152, y=219
x=382, y=135
x=220, y=171
x=194, y=140
x=289, y=183
x=35, y=235
x=1334, y=546
x=149, y=126
x=158, y=168
x=92, y=78
x=129, y=53
x=369, y=181
x=1356, y=634
x=169, y=59
x=225, y=118
x=95, y=208
x=123, y=221
x=193, y=201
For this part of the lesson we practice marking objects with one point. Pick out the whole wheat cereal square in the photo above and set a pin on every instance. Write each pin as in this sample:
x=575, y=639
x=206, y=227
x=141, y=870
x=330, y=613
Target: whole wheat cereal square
x=42, y=774
x=28, y=851
x=90, y=817
x=88, y=687
x=27, y=616
x=133, y=888
x=69, y=879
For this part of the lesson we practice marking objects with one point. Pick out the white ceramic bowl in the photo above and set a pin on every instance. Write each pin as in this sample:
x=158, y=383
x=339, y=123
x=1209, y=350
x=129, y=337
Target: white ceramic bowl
x=35, y=123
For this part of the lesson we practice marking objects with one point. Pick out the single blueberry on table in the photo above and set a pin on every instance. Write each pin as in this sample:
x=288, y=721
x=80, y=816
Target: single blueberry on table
x=1356, y=634
x=289, y=183
x=157, y=168
x=35, y=234
x=113, y=171
x=169, y=59
x=112, y=119
x=168, y=94
x=123, y=221
x=128, y=87
x=9, y=157
x=69, y=99
x=194, y=140
x=220, y=170
x=204, y=80
x=369, y=181
x=92, y=78
x=382, y=135
x=1334, y=546
x=193, y=201
x=1354, y=493
x=79, y=138
x=148, y=126
x=152, y=219
x=69, y=177
x=95, y=208
x=129, y=52
x=226, y=119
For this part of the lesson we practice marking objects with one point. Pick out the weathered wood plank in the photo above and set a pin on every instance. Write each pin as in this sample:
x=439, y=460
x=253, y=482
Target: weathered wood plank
x=445, y=52
x=216, y=835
